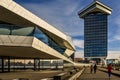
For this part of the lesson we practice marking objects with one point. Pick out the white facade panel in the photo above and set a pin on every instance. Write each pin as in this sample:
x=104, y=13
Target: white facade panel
x=25, y=14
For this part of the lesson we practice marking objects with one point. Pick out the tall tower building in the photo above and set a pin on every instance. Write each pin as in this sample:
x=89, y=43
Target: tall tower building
x=95, y=18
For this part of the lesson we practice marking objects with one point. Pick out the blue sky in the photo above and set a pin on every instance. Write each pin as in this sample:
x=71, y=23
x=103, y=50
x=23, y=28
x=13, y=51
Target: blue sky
x=62, y=14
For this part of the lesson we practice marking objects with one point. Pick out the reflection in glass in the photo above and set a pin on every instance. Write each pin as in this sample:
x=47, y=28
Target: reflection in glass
x=8, y=29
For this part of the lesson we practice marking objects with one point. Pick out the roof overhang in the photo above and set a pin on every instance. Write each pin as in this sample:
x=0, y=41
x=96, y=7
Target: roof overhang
x=95, y=6
x=13, y=13
x=27, y=47
x=68, y=52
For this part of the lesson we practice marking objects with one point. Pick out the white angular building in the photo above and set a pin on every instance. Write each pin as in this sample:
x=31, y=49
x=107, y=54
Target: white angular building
x=24, y=35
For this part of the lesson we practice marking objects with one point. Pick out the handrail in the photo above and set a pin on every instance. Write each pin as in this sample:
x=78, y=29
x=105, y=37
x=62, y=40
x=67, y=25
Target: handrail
x=74, y=77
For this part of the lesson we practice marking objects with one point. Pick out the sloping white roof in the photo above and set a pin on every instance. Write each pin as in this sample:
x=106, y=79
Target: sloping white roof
x=12, y=12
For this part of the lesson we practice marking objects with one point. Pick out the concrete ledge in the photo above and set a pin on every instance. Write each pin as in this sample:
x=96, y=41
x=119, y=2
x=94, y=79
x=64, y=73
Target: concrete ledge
x=74, y=77
x=47, y=79
x=116, y=73
x=61, y=76
x=22, y=79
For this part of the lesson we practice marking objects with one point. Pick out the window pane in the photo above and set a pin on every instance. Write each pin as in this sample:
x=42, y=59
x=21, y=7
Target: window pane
x=40, y=35
x=4, y=29
x=23, y=31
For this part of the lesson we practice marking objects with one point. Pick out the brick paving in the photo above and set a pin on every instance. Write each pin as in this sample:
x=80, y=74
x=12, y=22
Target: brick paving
x=98, y=76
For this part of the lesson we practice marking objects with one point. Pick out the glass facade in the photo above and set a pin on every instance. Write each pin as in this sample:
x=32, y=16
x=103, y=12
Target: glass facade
x=8, y=64
x=95, y=31
x=12, y=63
x=9, y=29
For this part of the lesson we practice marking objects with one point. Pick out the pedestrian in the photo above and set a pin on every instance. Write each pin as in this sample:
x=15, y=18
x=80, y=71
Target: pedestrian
x=95, y=68
x=91, y=69
x=109, y=70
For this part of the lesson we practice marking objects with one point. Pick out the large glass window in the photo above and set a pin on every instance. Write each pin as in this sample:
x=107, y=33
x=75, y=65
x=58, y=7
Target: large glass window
x=4, y=29
x=9, y=29
x=23, y=31
x=40, y=35
x=56, y=47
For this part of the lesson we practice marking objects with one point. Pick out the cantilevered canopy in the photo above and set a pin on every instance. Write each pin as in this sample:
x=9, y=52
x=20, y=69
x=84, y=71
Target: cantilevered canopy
x=27, y=47
x=95, y=6
x=13, y=13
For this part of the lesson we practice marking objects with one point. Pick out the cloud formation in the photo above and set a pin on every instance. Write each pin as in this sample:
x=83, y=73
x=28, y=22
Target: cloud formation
x=113, y=55
x=62, y=14
x=78, y=43
x=79, y=54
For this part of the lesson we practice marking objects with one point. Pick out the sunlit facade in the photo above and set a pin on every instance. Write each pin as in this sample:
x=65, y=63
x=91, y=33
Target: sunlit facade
x=26, y=41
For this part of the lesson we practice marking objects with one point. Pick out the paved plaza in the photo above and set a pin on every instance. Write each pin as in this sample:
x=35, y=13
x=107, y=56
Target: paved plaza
x=31, y=75
x=98, y=76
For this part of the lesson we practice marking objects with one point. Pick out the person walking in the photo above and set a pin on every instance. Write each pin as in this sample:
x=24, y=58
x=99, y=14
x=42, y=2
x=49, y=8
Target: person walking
x=91, y=69
x=95, y=68
x=109, y=70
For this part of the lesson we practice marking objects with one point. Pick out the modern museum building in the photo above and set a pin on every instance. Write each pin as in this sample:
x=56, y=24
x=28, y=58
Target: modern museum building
x=26, y=38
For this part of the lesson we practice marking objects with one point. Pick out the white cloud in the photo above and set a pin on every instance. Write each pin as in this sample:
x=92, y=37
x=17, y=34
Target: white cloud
x=117, y=21
x=69, y=7
x=117, y=37
x=78, y=43
x=115, y=27
x=63, y=15
x=113, y=55
x=79, y=54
